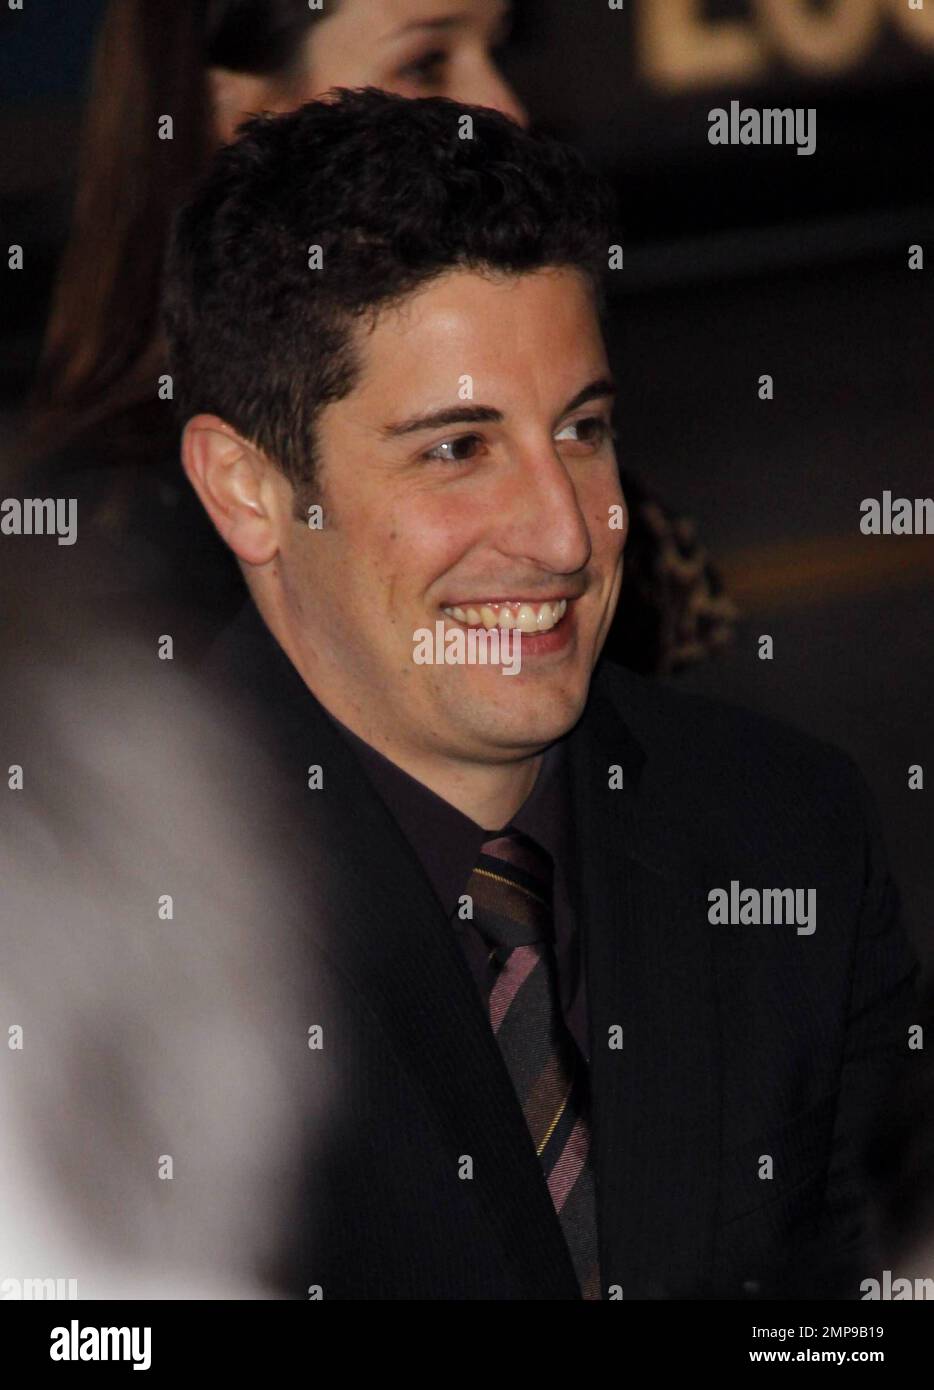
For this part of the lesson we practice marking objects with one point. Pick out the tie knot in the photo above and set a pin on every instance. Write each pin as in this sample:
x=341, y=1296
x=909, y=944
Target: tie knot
x=511, y=887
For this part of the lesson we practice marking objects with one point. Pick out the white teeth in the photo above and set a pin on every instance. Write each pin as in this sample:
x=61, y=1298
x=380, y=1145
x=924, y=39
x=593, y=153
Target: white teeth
x=527, y=620
x=527, y=617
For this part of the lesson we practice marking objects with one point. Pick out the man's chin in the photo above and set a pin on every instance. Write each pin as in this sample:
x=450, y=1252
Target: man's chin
x=521, y=727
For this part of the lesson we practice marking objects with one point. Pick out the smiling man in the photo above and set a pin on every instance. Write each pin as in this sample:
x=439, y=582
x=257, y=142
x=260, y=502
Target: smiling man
x=561, y=1077
x=493, y=513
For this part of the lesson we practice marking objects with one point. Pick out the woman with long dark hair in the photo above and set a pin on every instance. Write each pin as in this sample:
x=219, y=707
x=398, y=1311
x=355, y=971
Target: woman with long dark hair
x=170, y=83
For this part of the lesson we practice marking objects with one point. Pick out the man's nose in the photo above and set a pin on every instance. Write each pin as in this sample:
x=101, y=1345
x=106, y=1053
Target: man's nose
x=543, y=519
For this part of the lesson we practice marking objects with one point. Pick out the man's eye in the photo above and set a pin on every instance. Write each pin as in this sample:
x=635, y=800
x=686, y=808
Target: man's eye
x=426, y=71
x=593, y=430
x=458, y=450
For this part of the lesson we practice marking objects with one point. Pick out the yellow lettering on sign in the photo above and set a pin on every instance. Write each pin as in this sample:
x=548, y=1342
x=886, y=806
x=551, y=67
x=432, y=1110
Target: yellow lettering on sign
x=678, y=47
x=912, y=23
x=827, y=40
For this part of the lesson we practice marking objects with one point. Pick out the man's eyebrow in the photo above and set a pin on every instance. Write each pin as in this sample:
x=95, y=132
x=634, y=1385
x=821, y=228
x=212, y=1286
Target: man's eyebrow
x=487, y=414
x=453, y=415
x=598, y=390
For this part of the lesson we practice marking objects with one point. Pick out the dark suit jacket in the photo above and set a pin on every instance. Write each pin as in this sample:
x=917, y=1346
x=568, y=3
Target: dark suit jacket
x=738, y=1041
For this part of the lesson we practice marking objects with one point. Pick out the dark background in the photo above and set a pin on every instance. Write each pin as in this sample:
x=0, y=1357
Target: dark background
x=738, y=261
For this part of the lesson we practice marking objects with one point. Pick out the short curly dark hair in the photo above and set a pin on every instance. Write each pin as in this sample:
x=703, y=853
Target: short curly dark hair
x=393, y=194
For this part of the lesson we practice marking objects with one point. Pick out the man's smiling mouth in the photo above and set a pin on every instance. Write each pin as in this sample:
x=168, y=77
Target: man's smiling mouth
x=511, y=613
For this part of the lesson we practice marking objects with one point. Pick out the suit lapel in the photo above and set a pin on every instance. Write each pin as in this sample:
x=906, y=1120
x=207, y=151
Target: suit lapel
x=649, y=971
x=392, y=942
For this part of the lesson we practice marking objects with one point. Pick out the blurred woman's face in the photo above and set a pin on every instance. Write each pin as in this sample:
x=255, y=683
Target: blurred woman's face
x=413, y=47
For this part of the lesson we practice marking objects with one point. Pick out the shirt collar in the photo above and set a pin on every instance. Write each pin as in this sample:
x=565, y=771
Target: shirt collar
x=448, y=842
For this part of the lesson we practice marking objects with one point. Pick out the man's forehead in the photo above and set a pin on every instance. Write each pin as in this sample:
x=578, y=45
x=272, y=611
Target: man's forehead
x=470, y=324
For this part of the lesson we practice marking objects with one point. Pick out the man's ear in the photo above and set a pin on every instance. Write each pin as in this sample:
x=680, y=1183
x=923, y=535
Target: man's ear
x=243, y=493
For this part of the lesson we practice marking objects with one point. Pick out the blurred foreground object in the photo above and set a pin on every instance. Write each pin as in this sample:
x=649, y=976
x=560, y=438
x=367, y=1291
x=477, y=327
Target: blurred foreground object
x=155, y=1084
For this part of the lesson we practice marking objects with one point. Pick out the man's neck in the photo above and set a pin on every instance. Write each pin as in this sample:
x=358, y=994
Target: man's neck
x=489, y=794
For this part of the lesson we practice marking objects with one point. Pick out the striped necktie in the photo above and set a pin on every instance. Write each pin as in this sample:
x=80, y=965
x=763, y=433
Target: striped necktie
x=511, y=888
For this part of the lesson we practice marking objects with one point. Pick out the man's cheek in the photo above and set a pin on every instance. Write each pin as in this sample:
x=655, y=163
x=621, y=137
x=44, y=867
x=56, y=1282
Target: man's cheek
x=608, y=521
